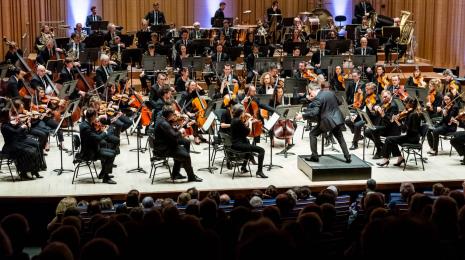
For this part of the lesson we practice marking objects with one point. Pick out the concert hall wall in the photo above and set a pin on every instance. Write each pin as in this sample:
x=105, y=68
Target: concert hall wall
x=439, y=23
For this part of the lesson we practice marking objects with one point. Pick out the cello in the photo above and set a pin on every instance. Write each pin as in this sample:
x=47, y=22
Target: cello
x=251, y=107
x=200, y=105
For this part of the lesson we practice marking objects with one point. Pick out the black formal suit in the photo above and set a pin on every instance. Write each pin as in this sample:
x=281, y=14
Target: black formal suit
x=187, y=43
x=239, y=133
x=384, y=128
x=351, y=89
x=458, y=141
x=13, y=87
x=364, y=51
x=12, y=58
x=360, y=10
x=443, y=128
x=269, y=13
x=154, y=95
x=66, y=75
x=71, y=45
x=325, y=108
x=219, y=14
x=155, y=18
x=109, y=37
x=45, y=55
x=223, y=57
x=316, y=57
x=169, y=142
x=37, y=82
x=200, y=34
x=91, y=18
x=413, y=128
x=228, y=33
x=101, y=76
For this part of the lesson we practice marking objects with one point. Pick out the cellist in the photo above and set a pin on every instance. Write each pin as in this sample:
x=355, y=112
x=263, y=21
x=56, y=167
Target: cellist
x=279, y=100
x=193, y=108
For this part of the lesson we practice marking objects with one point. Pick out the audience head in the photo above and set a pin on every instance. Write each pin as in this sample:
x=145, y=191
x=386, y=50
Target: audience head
x=148, y=202
x=183, y=199
x=438, y=189
x=68, y=235
x=194, y=192
x=371, y=185
x=406, y=190
x=56, y=251
x=256, y=202
x=16, y=228
x=133, y=198
x=99, y=248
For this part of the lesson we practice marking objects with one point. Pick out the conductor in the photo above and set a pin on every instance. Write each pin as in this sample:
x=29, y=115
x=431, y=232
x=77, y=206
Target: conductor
x=325, y=108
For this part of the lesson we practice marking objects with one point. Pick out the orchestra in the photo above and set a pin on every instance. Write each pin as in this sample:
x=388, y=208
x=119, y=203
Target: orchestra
x=173, y=103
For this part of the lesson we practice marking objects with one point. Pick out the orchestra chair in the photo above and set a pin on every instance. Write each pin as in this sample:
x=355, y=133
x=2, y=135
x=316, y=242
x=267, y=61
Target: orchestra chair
x=6, y=160
x=79, y=162
x=415, y=149
x=156, y=160
x=235, y=158
x=446, y=137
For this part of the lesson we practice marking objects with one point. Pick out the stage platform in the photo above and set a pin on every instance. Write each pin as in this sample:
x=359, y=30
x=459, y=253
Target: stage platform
x=442, y=168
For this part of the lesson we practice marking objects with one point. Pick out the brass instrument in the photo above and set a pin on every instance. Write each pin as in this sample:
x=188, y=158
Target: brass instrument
x=406, y=33
x=372, y=20
x=105, y=49
x=44, y=38
x=404, y=16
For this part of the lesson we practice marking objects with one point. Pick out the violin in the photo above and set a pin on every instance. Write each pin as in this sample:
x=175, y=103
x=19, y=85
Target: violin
x=358, y=99
x=419, y=82
x=401, y=115
x=370, y=101
x=383, y=81
x=310, y=75
x=98, y=126
x=431, y=98
x=342, y=78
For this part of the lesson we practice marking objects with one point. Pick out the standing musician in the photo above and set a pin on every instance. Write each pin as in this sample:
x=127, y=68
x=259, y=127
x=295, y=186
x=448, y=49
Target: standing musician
x=92, y=135
x=449, y=110
x=10, y=56
x=385, y=127
x=382, y=80
x=23, y=150
x=362, y=9
x=156, y=16
x=458, y=139
x=219, y=14
x=146, y=75
x=266, y=85
x=338, y=82
x=182, y=80
x=48, y=53
x=194, y=109
x=241, y=127
x=411, y=126
x=169, y=142
x=93, y=17
x=434, y=99
x=416, y=80
x=325, y=108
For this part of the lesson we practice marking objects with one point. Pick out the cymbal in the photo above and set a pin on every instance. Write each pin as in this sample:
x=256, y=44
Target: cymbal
x=247, y=12
x=305, y=13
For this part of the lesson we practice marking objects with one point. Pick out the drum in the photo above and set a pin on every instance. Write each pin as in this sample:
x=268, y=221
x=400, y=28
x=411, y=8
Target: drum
x=312, y=24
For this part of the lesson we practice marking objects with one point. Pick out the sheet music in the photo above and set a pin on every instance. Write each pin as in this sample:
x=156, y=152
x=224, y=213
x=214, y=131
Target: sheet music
x=209, y=122
x=272, y=121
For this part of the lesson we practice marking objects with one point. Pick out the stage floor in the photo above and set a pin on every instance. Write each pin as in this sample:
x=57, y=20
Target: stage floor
x=439, y=168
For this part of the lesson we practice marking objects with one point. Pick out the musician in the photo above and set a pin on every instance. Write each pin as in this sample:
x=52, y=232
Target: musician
x=222, y=40
x=398, y=91
x=165, y=99
x=338, y=80
x=91, y=148
x=300, y=72
x=382, y=80
x=280, y=100
x=80, y=32
x=102, y=73
x=297, y=36
x=10, y=56
x=227, y=31
x=39, y=80
x=395, y=84
x=75, y=46
x=182, y=54
x=458, y=139
x=363, y=8
x=449, y=110
x=219, y=14
x=274, y=73
x=43, y=100
x=15, y=83
x=274, y=9
x=416, y=80
x=48, y=53
x=146, y=75
x=227, y=79
x=364, y=49
x=156, y=16
x=435, y=99
x=111, y=33
x=240, y=129
x=412, y=127
x=184, y=40
x=93, y=17
x=193, y=90
x=46, y=34
x=182, y=80
x=169, y=142
x=354, y=86
x=450, y=85
x=325, y=108
x=197, y=33
x=154, y=94
x=391, y=44
x=23, y=150
x=316, y=57
x=219, y=55
x=250, y=63
x=67, y=74
x=251, y=91
x=249, y=44
x=266, y=85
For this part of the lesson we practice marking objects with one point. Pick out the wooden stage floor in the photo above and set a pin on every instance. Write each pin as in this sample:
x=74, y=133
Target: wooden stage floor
x=441, y=168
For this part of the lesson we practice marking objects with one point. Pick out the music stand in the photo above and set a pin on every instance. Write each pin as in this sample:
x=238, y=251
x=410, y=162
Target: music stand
x=95, y=40
x=287, y=113
x=139, y=148
x=67, y=88
x=55, y=66
x=292, y=85
x=367, y=123
x=364, y=61
x=143, y=38
x=264, y=99
x=292, y=63
x=3, y=71
x=338, y=46
x=99, y=25
x=131, y=55
x=155, y=64
x=199, y=46
x=268, y=126
x=328, y=61
x=262, y=64
x=62, y=42
x=67, y=115
x=351, y=31
x=207, y=128
x=89, y=56
x=289, y=46
x=160, y=28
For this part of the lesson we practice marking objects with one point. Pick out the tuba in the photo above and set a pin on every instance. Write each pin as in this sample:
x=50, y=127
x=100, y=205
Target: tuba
x=404, y=16
x=372, y=20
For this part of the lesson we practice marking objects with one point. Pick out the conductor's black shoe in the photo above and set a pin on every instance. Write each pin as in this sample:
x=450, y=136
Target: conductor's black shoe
x=114, y=165
x=109, y=181
x=354, y=147
x=194, y=178
x=348, y=159
x=261, y=175
x=312, y=158
x=178, y=177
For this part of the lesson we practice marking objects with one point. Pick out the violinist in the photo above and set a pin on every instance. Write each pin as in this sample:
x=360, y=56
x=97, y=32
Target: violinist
x=193, y=91
x=416, y=80
x=241, y=127
x=227, y=79
x=301, y=71
x=355, y=123
x=381, y=79
x=356, y=85
x=458, y=139
x=23, y=150
x=114, y=115
x=169, y=142
x=384, y=127
x=67, y=74
x=154, y=93
x=92, y=148
x=182, y=80
x=412, y=128
x=49, y=107
x=48, y=53
x=165, y=97
x=15, y=83
x=434, y=99
x=395, y=84
x=266, y=86
x=338, y=82
x=399, y=91
x=449, y=110
x=450, y=85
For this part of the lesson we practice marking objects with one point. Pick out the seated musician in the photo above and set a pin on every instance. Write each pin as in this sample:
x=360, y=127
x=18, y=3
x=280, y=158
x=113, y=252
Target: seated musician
x=102, y=73
x=51, y=106
x=165, y=99
x=10, y=56
x=416, y=80
x=193, y=90
x=75, y=46
x=197, y=33
x=458, y=140
x=182, y=80
x=155, y=17
x=48, y=53
x=67, y=74
x=384, y=127
x=182, y=54
x=23, y=150
x=411, y=125
x=338, y=80
x=15, y=83
x=274, y=73
x=355, y=93
x=366, y=50
x=434, y=99
x=111, y=33
x=227, y=79
x=39, y=80
x=145, y=28
x=228, y=32
x=116, y=117
x=395, y=84
x=316, y=57
x=184, y=40
x=391, y=44
x=46, y=34
x=266, y=85
x=93, y=17
x=146, y=75
x=249, y=44
x=250, y=62
x=219, y=55
x=169, y=142
x=449, y=110
x=399, y=91
x=116, y=49
x=450, y=85
x=381, y=79
x=154, y=93
x=80, y=32
x=241, y=127
x=280, y=100
x=362, y=29
x=300, y=72
x=91, y=148
x=362, y=9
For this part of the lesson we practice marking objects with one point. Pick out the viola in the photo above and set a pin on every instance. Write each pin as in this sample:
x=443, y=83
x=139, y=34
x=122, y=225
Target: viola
x=419, y=82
